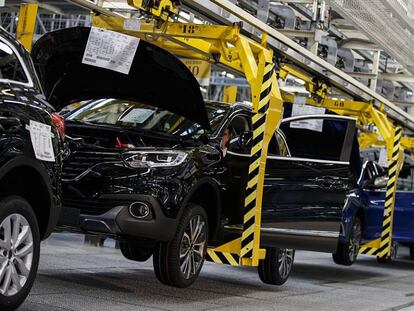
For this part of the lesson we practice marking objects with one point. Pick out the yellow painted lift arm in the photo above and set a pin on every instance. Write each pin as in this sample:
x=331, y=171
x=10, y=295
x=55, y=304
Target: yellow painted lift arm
x=26, y=24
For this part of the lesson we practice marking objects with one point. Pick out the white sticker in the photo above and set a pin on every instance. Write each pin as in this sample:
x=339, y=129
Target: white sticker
x=41, y=137
x=132, y=24
x=111, y=50
x=312, y=125
x=139, y=115
x=383, y=158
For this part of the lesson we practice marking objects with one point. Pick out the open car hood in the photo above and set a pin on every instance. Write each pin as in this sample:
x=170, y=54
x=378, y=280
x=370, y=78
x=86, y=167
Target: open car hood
x=156, y=77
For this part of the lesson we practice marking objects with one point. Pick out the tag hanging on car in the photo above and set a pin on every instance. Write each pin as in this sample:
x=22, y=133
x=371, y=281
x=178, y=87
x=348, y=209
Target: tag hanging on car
x=41, y=137
x=110, y=50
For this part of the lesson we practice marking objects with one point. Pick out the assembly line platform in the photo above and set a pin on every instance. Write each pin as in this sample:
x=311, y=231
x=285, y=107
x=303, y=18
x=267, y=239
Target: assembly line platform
x=74, y=276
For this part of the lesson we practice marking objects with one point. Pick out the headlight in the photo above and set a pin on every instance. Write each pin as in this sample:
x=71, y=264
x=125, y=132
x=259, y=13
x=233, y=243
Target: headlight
x=142, y=159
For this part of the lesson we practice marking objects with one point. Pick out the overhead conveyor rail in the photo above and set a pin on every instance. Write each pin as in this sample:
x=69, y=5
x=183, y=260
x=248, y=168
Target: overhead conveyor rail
x=228, y=46
x=301, y=57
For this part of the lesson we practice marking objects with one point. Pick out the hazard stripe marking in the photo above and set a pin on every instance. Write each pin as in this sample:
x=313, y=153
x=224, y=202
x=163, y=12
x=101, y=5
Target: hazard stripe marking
x=386, y=234
x=259, y=126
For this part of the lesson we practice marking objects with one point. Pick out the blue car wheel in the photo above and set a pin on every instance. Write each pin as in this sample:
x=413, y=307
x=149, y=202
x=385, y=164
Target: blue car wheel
x=347, y=252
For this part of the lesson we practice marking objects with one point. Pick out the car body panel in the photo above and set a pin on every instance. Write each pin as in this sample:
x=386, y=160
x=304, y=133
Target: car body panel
x=403, y=228
x=20, y=102
x=313, y=223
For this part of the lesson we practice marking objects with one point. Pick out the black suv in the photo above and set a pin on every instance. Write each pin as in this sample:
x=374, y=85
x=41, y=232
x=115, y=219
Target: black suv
x=155, y=166
x=31, y=144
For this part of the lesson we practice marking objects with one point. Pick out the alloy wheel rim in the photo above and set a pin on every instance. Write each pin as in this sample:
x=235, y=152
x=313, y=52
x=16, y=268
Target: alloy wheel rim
x=355, y=241
x=16, y=254
x=192, y=248
x=285, y=262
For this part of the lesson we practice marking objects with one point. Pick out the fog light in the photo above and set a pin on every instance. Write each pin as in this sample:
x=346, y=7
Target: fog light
x=139, y=210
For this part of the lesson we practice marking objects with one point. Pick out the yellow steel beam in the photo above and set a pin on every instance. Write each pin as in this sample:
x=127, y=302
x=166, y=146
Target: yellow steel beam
x=163, y=9
x=230, y=94
x=169, y=29
x=207, y=42
x=367, y=140
x=408, y=143
x=316, y=87
x=395, y=160
x=26, y=24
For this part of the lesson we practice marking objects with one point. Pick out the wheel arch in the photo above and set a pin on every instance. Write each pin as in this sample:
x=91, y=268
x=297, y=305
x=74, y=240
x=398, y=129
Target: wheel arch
x=33, y=185
x=207, y=194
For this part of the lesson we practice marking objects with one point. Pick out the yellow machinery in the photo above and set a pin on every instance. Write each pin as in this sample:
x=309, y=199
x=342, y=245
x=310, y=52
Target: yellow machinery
x=384, y=133
x=225, y=45
x=26, y=24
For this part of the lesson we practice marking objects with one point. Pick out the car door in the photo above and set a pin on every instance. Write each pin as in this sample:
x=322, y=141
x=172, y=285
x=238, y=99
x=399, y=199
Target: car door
x=403, y=230
x=375, y=195
x=404, y=203
x=305, y=189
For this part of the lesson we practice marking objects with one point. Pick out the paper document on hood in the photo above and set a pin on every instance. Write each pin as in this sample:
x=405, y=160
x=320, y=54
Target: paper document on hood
x=110, y=50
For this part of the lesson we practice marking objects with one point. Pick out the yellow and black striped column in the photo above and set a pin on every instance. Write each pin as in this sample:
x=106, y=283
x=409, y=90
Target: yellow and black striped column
x=250, y=204
x=386, y=236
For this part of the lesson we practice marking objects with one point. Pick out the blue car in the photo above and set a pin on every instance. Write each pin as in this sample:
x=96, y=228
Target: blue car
x=403, y=227
x=357, y=212
x=363, y=212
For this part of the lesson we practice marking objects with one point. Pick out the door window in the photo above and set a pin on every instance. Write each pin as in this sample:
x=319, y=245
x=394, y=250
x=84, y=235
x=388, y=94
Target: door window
x=237, y=134
x=10, y=66
x=406, y=176
x=373, y=176
x=331, y=141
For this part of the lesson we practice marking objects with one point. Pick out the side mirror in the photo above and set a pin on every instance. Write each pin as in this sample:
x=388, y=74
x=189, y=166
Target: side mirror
x=379, y=182
x=245, y=139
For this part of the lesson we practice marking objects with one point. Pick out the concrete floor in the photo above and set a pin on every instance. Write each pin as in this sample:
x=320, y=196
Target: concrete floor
x=77, y=277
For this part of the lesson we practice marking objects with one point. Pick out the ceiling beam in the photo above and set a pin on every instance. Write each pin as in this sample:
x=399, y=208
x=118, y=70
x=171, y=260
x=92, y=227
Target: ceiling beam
x=398, y=77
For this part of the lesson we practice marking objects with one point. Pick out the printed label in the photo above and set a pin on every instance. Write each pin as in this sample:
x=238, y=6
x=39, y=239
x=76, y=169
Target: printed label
x=110, y=50
x=41, y=137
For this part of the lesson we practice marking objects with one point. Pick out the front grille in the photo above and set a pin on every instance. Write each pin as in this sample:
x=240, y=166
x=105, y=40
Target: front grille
x=79, y=161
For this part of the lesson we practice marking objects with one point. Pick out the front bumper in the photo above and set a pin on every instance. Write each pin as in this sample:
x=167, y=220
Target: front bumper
x=118, y=220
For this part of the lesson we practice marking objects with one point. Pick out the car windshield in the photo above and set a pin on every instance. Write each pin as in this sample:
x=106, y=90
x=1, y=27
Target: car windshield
x=141, y=116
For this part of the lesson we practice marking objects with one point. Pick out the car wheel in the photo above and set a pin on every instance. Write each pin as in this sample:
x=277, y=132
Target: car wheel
x=19, y=251
x=275, y=269
x=347, y=253
x=178, y=262
x=394, y=254
x=135, y=252
x=412, y=252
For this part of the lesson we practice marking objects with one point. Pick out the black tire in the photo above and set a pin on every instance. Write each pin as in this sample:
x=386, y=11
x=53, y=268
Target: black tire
x=135, y=252
x=275, y=269
x=9, y=206
x=394, y=254
x=167, y=261
x=347, y=253
x=412, y=252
